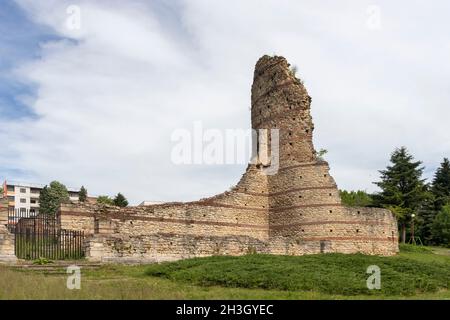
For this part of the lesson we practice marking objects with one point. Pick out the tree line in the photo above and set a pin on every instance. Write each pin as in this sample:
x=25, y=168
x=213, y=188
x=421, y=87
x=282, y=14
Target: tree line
x=414, y=202
x=56, y=193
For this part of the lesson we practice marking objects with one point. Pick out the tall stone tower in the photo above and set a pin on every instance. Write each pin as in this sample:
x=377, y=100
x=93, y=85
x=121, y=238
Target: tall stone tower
x=304, y=202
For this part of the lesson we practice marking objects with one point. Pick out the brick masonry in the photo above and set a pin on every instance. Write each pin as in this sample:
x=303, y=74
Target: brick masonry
x=296, y=211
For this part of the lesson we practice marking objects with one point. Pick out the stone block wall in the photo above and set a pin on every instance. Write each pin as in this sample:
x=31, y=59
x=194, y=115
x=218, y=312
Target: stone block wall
x=6, y=238
x=295, y=211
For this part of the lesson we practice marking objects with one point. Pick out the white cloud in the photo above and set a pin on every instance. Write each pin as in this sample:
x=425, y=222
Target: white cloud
x=111, y=94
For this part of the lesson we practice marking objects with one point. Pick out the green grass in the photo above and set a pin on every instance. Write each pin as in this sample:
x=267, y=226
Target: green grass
x=416, y=273
x=329, y=274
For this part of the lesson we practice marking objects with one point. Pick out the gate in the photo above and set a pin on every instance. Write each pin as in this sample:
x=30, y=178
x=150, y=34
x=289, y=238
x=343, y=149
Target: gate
x=40, y=236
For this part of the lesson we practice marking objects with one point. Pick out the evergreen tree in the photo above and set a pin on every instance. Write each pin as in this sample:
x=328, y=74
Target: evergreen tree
x=50, y=198
x=120, y=200
x=82, y=195
x=425, y=217
x=441, y=185
x=402, y=188
x=441, y=227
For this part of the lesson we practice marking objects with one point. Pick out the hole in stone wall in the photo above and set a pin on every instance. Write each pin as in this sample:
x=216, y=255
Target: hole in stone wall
x=359, y=212
x=307, y=131
x=204, y=215
x=293, y=119
x=324, y=175
x=357, y=230
x=330, y=194
x=331, y=230
x=290, y=133
x=300, y=196
x=303, y=230
x=331, y=211
x=290, y=143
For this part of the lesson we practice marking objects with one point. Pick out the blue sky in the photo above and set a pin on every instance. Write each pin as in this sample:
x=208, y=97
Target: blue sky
x=97, y=105
x=19, y=39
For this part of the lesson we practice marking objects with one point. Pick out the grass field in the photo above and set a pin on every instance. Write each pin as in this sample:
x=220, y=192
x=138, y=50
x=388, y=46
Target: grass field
x=416, y=273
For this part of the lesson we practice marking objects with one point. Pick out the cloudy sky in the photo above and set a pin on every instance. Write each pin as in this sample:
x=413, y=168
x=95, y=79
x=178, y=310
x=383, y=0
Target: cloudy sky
x=96, y=103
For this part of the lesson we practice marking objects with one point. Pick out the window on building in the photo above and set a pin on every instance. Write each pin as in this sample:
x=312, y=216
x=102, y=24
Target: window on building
x=33, y=201
x=10, y=198
x=23, y=190
x=22, y=200
x=10, y=188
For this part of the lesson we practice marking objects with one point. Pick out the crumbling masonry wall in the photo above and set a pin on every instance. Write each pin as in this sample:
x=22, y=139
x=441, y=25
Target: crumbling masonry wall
x=295, y=211
x=6, y=238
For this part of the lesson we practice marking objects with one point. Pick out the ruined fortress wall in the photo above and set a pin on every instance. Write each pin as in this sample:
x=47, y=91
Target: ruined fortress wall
x=295, y=211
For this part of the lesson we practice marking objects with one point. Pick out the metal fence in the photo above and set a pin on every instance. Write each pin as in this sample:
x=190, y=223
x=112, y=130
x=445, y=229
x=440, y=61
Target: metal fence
x=40, y=236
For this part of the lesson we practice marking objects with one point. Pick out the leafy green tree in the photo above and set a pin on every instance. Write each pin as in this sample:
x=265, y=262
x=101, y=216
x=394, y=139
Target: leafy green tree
x=402, y=187
x=82, y=195
x=356, y=198
x=51, y=197
x=105, y=200
x=120, y=200
x=441, y=227
x=441, y=185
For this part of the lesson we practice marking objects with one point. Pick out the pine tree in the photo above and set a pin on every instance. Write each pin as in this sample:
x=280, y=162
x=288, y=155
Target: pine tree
x=441, y=185
x=50, y=198
x=425, y=217
x=82, y=195
x=120, y=200
x=402, y=187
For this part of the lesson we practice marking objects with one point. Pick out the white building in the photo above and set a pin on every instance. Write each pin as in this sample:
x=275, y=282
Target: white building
x=25, y=196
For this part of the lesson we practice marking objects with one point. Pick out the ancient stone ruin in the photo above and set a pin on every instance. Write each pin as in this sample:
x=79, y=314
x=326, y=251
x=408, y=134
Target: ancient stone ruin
x=296, y=211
